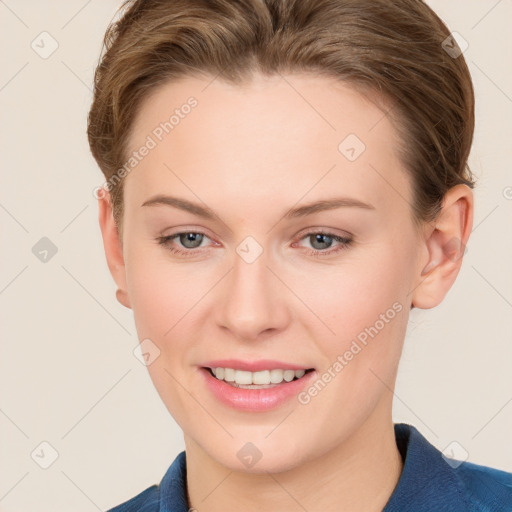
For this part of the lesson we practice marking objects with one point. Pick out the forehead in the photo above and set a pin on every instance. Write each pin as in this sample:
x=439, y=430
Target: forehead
x=272, y=137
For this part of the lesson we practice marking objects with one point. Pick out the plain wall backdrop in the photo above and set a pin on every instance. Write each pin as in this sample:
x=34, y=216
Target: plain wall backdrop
x=68, y=375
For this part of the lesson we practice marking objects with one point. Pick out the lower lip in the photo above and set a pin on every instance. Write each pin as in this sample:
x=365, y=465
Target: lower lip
x=255, y=400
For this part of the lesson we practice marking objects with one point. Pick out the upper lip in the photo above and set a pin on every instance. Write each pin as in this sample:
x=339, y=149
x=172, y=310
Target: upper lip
x=253, y=366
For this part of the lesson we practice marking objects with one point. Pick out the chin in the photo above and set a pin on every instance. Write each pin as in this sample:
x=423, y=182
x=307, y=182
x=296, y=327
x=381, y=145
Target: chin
x=259, y=456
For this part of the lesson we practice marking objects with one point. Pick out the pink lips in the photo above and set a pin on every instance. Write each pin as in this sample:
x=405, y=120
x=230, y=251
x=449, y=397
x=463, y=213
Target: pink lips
x=254, y=400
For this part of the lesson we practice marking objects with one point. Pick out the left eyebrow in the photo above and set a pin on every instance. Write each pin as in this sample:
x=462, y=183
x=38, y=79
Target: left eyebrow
x=329, y=204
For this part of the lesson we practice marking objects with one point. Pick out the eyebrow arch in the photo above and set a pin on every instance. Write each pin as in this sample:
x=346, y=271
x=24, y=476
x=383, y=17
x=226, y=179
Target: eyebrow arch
x=301, y=211
x=327, y=204
x=182, y=204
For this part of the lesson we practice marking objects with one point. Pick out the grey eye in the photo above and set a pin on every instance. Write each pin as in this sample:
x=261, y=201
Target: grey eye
x=325, y=241
x=191, y=240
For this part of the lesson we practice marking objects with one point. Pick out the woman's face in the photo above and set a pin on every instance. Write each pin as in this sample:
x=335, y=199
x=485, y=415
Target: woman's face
x=264, y=280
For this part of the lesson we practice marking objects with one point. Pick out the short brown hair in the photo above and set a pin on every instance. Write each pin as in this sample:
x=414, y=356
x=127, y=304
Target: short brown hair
x=394, y=48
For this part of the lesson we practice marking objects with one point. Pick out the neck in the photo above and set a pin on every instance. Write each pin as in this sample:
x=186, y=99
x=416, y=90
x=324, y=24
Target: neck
x=358, y=475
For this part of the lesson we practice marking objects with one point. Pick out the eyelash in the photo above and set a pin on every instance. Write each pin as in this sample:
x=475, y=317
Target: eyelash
x=344, y=241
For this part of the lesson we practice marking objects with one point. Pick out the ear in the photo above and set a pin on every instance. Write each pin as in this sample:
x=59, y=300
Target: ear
x=445, y=244
x=113, y=248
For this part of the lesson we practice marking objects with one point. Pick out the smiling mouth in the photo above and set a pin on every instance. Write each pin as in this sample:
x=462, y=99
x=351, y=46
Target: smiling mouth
x=256, y=380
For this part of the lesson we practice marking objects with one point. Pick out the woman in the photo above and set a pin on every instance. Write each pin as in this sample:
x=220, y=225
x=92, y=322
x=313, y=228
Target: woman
x=285, y=181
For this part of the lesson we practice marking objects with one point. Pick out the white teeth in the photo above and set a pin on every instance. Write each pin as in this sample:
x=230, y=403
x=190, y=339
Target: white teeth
x=276, y=376
x=229, y=375
x=289, y=375
x=243, y=377
x=263, y=378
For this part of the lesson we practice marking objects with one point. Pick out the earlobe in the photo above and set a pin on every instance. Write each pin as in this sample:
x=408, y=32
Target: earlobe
x=113, y=248
x=122, y=297
x=445, y=245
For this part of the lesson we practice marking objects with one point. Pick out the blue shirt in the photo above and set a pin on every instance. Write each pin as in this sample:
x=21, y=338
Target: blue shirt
x=428, y=483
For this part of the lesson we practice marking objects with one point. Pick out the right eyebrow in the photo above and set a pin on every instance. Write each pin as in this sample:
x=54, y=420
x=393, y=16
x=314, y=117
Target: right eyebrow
x=182, y=204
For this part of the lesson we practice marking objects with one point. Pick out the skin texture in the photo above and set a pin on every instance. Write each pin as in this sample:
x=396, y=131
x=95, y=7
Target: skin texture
x=250, y=153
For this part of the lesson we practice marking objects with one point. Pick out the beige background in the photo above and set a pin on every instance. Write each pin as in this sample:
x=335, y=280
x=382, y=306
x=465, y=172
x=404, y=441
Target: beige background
x=68, y=375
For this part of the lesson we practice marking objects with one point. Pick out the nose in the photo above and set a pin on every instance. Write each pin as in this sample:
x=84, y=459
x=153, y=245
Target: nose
x=253, y=302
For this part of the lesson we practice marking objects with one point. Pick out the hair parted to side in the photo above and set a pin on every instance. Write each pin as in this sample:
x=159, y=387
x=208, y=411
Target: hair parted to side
x=393, y=48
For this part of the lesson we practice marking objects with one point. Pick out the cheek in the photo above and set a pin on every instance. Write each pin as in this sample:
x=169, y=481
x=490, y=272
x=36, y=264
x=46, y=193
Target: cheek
x=162, y=296
x=151, y=300
x=161, y=292
x=366, y=309
x=365, y=305
x=352, y=295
